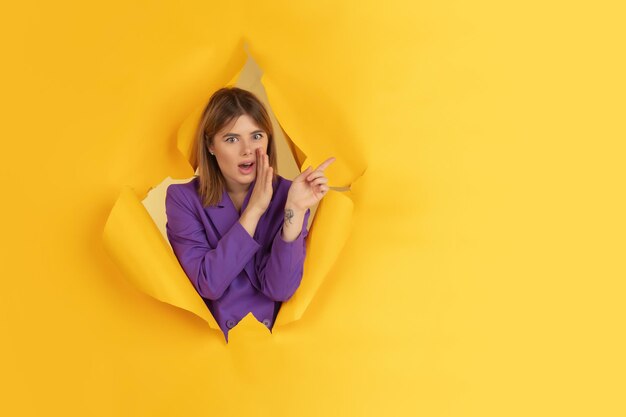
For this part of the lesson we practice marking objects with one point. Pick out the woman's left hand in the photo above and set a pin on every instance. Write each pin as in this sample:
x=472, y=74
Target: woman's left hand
x=308, y=188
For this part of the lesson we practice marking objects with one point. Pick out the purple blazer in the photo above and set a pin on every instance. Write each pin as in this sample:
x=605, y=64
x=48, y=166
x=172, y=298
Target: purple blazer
x=235, y=273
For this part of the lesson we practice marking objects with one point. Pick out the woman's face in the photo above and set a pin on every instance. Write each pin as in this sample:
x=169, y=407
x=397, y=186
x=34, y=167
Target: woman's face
x=235, y=145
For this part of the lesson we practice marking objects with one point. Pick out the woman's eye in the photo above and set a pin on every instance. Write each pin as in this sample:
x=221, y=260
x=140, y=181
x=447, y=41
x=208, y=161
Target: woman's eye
x=260, y=136
x=229, y=139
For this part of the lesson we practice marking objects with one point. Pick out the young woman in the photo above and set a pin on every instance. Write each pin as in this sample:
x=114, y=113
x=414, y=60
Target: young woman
x=237, y=228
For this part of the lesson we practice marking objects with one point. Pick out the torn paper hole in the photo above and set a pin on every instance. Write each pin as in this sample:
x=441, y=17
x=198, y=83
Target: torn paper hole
x=134, y=234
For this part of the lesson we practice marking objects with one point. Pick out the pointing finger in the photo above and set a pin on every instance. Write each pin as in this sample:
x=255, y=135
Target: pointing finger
x=326, y=163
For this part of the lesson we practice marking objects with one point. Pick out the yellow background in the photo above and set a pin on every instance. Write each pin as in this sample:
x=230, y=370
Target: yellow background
x=484, y=272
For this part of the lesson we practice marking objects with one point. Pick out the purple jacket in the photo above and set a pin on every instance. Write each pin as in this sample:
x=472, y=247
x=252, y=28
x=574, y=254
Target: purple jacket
x=234, y=272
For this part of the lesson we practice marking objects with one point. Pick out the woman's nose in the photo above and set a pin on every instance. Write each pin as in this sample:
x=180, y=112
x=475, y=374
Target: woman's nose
x=249, y=148
x=246, y=147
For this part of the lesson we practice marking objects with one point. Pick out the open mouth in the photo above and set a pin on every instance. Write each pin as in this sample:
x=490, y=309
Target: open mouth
x=246, y=168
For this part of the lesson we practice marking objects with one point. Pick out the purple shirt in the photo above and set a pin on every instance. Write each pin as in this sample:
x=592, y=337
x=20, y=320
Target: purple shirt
x=235, y=273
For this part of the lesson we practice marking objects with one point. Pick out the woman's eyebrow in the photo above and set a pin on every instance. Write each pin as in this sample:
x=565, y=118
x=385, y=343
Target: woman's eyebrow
x=237, y=134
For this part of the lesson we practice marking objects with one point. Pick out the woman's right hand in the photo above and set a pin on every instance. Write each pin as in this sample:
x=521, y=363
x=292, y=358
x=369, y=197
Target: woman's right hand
x=262, y=193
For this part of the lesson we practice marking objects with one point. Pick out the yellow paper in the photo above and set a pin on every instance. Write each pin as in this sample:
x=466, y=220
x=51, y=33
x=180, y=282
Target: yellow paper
x=480, y=155
x=134, y=242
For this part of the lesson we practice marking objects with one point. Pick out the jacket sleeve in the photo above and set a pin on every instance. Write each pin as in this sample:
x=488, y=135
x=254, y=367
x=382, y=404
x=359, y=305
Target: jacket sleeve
x=280, y=270
x=211, y=270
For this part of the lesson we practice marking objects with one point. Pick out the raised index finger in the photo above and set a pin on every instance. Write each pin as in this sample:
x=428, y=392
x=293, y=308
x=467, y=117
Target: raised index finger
x=325, y=164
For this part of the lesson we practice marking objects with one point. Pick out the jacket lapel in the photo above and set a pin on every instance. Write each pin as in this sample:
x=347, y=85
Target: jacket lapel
x=224, y=215
x=250, y=265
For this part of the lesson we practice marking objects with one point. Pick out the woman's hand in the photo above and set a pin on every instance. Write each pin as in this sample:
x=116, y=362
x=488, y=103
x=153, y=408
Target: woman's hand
x=308, y=188
x=262, y=193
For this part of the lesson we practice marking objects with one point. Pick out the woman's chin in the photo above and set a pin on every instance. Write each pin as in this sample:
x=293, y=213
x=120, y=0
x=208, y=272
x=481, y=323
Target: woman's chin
x=245, y=179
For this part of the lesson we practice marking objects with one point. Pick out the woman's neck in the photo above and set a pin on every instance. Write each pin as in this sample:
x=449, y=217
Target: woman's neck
x=237, y=189
x=238, y=193
x=237, y=196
